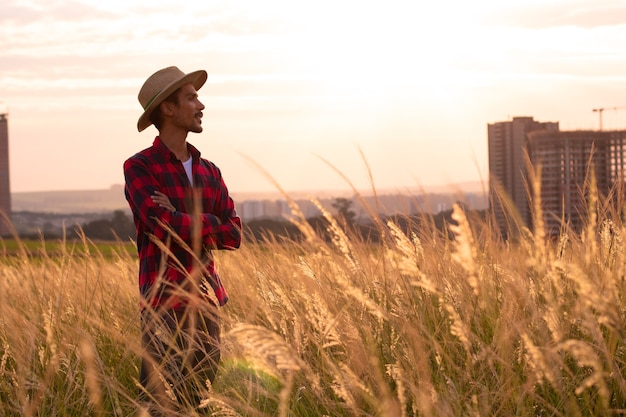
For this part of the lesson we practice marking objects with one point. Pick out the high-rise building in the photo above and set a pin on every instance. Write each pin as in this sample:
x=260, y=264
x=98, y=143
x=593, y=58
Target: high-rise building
x=5, y=185
x=567, y=160
x=507, y=167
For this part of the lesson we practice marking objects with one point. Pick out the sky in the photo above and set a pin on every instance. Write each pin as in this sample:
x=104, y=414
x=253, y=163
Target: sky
x=386, y=94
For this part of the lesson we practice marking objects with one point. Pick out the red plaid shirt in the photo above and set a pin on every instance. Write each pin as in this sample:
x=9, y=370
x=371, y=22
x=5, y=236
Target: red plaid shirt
x=163, y=273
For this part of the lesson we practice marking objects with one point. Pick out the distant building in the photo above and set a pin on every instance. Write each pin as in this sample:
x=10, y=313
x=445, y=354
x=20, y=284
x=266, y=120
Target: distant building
x=507, y=166
x=567, y=160
x=5, y=185
x=263, y=209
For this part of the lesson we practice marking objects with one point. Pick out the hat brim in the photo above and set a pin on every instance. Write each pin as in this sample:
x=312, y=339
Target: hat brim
x=197, y=78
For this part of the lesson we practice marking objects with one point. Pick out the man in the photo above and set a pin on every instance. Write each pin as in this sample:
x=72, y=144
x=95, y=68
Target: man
x=182, y=211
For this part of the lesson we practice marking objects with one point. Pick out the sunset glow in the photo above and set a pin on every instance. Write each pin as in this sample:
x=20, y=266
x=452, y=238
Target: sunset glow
x=412, y=86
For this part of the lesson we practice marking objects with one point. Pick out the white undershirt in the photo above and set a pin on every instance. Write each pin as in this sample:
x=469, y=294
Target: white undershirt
x=187, y=165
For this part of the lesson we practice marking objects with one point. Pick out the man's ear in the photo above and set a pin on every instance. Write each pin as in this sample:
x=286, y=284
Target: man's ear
x=167, y=108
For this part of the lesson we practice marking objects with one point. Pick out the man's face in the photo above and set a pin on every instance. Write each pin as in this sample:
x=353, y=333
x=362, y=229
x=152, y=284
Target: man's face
x=188, y=112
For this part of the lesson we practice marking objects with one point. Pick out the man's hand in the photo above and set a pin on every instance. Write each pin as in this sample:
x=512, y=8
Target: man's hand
x=163, y=201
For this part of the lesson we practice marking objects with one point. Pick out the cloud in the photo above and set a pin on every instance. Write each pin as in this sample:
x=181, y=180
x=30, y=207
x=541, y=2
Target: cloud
x=20, y=13
x=583, y=14
x=89, y=28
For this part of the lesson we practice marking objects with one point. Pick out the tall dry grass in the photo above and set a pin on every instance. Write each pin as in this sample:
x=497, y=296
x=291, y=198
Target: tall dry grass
x=68, y=325
x=422, y=324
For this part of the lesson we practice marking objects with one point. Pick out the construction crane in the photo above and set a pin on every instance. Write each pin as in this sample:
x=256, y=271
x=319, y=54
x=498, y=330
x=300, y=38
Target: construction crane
x=601, y=109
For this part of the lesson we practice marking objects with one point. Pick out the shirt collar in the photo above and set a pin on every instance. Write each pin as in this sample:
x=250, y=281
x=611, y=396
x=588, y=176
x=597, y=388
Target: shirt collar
x=166, y=153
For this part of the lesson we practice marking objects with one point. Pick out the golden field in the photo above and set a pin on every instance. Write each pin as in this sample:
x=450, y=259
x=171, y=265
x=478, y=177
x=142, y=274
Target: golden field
x=423, y=323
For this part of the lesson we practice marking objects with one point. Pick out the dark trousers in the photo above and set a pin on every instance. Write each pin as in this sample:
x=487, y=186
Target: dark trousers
x=181, y=355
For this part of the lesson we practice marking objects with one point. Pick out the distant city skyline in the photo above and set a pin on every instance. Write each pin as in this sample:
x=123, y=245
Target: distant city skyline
x=259, y=205
x=399, y=93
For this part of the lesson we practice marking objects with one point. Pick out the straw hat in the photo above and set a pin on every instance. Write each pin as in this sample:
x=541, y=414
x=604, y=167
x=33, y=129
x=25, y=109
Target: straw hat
x=160, y=85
